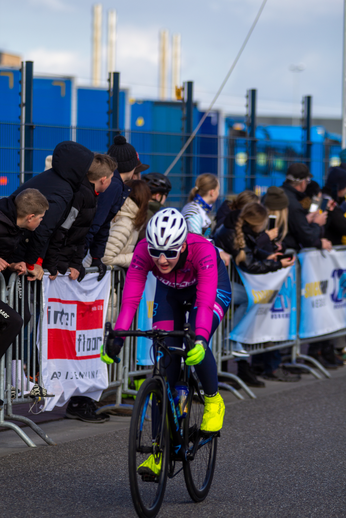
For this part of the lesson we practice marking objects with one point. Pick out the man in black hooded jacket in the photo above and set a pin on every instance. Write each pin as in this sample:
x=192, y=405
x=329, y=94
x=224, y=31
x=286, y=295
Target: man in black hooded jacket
x=302, y=233
x=70, y=164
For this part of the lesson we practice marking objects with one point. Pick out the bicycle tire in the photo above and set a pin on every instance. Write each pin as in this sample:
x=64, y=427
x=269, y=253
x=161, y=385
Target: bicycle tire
x=147, y=495
x=199, y=472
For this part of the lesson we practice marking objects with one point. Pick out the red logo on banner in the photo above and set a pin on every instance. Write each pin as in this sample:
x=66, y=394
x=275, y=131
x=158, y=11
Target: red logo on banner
x=75, y=330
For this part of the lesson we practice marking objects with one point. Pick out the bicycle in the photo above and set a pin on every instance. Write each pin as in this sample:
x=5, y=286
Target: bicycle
x=159, y=427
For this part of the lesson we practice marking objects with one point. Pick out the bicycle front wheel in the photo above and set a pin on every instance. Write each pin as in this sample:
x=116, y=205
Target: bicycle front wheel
x=201, y=450
x=148, y=438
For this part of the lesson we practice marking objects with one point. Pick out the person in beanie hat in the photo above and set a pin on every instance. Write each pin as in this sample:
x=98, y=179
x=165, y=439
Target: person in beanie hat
x=110, y=202
x=303, y=231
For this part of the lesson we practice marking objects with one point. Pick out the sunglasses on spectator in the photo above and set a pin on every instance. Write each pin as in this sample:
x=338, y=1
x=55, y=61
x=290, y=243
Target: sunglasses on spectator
x=169, y=254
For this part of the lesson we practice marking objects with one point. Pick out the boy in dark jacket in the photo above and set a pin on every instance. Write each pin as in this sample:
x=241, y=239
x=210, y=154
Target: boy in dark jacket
x=66, y=248
x=70, y=164
x=17, y=214
x=111, y=201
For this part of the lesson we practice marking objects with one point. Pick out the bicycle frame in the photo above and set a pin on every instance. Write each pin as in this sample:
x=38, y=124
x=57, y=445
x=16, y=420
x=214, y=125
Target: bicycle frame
x=160, y=351
x=169, y=410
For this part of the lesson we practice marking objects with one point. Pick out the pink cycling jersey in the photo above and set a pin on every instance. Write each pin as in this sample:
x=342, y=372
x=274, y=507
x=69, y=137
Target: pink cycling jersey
x=200, y=269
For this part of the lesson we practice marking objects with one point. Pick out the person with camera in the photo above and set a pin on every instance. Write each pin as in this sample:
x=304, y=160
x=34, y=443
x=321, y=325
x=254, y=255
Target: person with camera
x=304, y=230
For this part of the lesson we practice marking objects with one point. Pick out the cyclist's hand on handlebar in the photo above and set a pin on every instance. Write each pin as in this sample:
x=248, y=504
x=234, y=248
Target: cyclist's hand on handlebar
x=106, y=359
x=111, y=350
x=113, y=346
x=196, y=355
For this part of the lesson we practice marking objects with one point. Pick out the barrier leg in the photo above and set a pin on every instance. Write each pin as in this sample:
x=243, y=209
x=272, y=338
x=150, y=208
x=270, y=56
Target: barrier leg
x=302, y=366
x=20, y=432
x=232, y=389
x=316, y=363
x=32, y=425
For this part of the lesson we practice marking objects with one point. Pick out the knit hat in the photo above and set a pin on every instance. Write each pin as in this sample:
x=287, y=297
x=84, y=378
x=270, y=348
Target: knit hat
x=336, y=178
x=275, y=198
x=298, y=172
x=124, y=153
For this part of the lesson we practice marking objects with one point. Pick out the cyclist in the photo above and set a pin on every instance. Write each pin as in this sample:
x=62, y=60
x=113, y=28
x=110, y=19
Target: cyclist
x=190, y=277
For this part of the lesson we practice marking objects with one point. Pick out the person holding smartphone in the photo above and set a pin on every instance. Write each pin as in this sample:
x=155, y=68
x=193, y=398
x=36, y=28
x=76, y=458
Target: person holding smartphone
x=304, y=231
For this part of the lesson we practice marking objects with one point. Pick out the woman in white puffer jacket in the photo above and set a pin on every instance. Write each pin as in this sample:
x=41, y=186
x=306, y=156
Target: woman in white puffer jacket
x=125, y=226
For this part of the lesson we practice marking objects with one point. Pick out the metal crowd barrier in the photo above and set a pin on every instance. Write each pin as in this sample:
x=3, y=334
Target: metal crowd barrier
x=296, y=350
x=15, y=295
x=119, y=375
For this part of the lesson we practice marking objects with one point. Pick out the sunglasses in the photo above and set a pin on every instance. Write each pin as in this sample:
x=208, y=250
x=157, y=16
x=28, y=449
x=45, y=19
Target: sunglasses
x=169, y=254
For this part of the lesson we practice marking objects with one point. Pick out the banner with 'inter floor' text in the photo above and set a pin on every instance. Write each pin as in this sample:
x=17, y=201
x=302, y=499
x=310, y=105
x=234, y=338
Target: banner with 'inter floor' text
x=323, y=292
x=271, y=311
x=72, y=335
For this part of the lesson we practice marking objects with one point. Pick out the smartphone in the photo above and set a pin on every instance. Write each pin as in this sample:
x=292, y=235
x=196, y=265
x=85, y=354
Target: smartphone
x=315, y=204
x=271, y=221
x=324, y=204
x=285, y=256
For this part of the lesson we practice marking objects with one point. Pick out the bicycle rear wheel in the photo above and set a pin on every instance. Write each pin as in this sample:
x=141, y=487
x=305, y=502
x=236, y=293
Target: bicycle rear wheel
x=199, y=470
x=148, y=436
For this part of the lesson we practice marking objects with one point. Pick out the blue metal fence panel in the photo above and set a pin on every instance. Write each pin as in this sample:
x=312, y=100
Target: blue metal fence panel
x=92, y=117
x=9, y=130
x=52, y=104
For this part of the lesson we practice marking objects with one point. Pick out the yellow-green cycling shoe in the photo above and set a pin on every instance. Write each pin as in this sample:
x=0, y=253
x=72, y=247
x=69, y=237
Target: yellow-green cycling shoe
x=151, y=466
x=214, y=411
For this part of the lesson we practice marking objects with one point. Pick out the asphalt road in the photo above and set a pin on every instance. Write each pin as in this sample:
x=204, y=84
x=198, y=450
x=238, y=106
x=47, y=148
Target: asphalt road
x=281, y=455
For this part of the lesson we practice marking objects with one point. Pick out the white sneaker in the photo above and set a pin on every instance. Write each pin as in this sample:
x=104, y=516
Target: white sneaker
x=238, y=351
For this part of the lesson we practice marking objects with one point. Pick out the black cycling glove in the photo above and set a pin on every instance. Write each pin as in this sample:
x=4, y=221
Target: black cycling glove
x=102, y=268
x=81, y=274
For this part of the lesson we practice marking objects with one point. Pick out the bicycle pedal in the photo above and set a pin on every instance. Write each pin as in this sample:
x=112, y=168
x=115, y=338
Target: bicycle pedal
x=150, y=478
x=208, y=435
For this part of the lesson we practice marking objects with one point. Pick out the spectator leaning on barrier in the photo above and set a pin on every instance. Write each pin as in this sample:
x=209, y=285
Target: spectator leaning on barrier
x=227, y=218
x=23, y=212
x=241, y=243
x=276, y=201
x=111, y=201
x=71, y=162
x=304, y=230
x=66, y=248
x=125, y=226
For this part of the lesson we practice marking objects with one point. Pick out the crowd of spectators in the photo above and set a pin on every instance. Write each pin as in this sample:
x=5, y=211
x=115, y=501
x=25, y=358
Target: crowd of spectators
x=91, y=209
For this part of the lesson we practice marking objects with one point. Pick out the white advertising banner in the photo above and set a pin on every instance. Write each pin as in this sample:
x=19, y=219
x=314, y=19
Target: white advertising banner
x=72, y=335
x=271, y=311
x=323, y=292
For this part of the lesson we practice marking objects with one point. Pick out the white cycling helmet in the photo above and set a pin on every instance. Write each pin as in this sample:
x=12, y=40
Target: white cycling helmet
x=166, y=229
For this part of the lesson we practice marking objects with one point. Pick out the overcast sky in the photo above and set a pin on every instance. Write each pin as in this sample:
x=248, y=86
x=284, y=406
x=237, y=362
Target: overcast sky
x=56, y=35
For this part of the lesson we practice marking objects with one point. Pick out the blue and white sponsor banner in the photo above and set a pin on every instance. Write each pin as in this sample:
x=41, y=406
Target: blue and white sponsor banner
x=145, y=321
x=271, y=312
x=72, y=335
x=323, y=292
